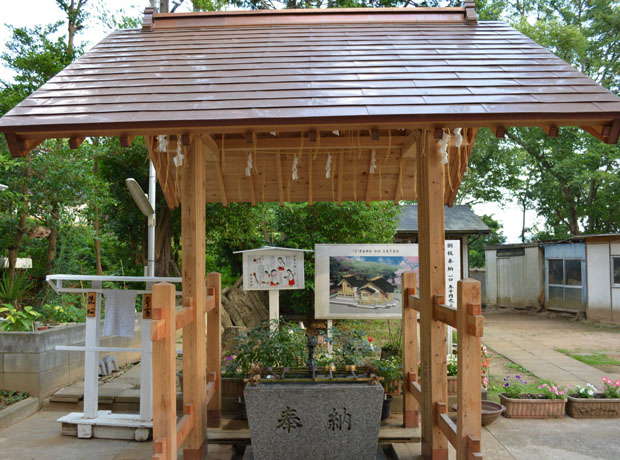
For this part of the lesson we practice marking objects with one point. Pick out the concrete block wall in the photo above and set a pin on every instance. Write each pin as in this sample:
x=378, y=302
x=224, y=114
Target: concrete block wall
x=30, y=362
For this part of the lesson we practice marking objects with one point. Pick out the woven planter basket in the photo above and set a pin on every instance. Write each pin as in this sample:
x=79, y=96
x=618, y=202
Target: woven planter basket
x=533, y=408
x=597, y=407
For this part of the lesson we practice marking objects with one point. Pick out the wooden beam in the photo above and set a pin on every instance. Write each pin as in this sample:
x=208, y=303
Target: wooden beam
x=374, y=134
x=469, y=384
x=443, y=312
x=293, y=144
x=185, y=425
x=399, y=183
x=164, y=367
x=158, y=330
x=214, y=350
x=125, y=141
x=163, y=175
x=410, y=145
x=417, y=392
x=184, y=316
x=410, y=350
x=248, y=138
x=280, y=181
x=437, y=133
x=446, y=425
x=193, y=224
x=596, y=132
x=430, y=181
x=75, y=142
x=474, y=448
x=340, y=177
x=212, y=150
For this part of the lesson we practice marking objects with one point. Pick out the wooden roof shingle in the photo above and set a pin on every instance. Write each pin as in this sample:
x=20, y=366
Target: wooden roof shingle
x=277, y=68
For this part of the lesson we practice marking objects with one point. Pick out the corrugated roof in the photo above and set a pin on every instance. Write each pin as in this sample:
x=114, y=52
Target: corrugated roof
x=458, y=219
x=212, y=70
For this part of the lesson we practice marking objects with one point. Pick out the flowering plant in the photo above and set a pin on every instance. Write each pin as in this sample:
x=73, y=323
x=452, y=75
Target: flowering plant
x=484, y=366
x=230, y=367
x=585, y=392
x=452, y=365
x=611, y=388
x=514, y=388
x=552, y=391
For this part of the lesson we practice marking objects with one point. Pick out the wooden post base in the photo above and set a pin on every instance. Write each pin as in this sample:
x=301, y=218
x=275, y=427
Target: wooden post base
x=213, y=418
x=411, y=419
x=428, y=453
x=197, y=454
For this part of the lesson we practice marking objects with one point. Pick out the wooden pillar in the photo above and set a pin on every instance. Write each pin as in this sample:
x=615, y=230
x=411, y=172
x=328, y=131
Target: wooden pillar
x=469, y=379
x=410, y=352
x=430, y=174
x=164, y=370
x=194, y=286
x=214, y=350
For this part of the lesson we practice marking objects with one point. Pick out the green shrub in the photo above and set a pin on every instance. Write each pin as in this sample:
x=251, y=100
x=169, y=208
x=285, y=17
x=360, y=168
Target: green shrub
x=18, y=320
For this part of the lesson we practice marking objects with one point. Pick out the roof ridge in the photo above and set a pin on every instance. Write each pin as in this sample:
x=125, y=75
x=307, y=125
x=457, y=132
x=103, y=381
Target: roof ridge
x=465, y=14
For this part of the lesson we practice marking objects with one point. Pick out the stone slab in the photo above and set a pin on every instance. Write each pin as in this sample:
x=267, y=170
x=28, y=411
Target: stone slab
x=249, y=455
x=18, y=412
x=300, y=421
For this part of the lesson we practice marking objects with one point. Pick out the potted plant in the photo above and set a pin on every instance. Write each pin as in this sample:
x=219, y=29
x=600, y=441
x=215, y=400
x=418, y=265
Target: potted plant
x=588, y=402
x=519, y=403
x=394, y=343
x=391, y=370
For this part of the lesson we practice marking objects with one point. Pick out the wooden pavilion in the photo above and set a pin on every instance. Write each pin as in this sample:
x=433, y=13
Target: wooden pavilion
x=306, y=106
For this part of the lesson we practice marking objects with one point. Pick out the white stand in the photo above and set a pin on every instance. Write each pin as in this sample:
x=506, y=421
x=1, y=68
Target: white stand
x=330, y=324
x=103, y=424
x=274, y=307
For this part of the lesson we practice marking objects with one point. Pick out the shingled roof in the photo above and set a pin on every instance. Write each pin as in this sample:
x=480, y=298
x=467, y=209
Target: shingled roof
x=458, y=220
x=271, y=96
x=292, y=66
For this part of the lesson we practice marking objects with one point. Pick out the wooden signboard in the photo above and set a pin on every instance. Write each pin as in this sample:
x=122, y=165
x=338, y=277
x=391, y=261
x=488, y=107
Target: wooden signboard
x=147, y=306
x=91, y=304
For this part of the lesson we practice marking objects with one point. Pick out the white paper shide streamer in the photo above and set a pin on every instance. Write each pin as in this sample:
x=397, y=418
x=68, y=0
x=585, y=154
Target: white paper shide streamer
x=373, y=162
x=443, y=146
x=162, y=141
x=178, y=158
x=248, y=168
x=458, y=136
x=328, y=166
x=294, y=174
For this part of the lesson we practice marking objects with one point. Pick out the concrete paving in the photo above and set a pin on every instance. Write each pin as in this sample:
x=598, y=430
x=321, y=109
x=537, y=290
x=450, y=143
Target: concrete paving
x=527, y=348
x=38, y=438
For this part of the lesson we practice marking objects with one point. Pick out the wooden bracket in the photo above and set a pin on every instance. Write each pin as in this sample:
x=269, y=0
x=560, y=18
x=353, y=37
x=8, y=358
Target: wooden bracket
x=75, y=142
x=474, y=448
x=158, y=329
x=125, y=141
x=475, y=320
x=312, y=135
x=499, y=131
x=249, y=137
x=183, y=317
x=553, y=131
x=19, y=146
x=159, y=449
x=438, y=133
x=374, y=134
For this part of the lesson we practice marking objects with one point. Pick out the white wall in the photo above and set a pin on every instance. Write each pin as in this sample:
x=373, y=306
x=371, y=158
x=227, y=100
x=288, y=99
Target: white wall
x=491, y=277
x=615, y=291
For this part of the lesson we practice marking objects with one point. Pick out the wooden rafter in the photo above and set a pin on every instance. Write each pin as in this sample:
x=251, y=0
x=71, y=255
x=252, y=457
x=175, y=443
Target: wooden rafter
x=162, y=167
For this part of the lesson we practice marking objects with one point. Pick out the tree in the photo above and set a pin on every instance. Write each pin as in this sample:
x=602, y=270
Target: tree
x=572, y=180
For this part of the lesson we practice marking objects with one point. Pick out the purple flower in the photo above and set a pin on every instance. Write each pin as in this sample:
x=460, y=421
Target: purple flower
x=229, y=358
x=506, y=384
x=518, y=376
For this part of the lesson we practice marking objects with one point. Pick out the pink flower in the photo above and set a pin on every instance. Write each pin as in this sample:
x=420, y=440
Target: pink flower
x=617, y=383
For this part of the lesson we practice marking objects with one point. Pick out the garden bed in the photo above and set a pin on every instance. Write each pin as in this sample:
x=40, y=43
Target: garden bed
x=597, y=407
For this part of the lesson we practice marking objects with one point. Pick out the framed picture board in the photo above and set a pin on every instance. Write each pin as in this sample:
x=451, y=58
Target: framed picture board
x=363, y=281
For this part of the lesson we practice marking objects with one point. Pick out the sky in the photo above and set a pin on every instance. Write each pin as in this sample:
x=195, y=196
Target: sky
x=41, y=12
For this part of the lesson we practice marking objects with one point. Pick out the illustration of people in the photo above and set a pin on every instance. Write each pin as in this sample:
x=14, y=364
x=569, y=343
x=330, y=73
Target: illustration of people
x=281, y=266
x=266, y=278
x=274, y=278
x=291, y=277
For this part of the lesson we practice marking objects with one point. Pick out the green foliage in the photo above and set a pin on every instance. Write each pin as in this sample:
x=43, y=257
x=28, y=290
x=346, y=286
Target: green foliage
x=593, y=359
x=515, y=387
x=452, y=365
x=391, y=369
x=10, y=397
x=13, y=291
x=271, y=345
x=18, y=320
x=350, y=346
x=66, y=313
